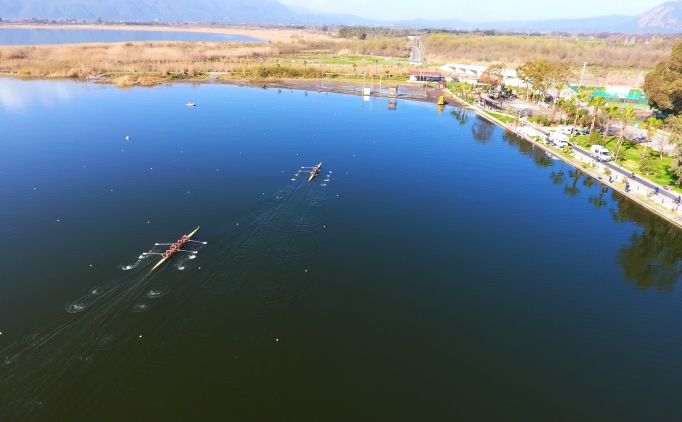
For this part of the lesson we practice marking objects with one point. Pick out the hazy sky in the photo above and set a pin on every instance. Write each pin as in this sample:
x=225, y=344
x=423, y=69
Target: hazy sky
x=479, y=10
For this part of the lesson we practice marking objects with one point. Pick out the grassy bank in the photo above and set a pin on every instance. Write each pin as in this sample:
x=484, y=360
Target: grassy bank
x=630, y=157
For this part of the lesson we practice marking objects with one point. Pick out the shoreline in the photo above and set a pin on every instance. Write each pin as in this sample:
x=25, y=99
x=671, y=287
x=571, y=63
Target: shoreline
x=672, y=216
x=338, y=87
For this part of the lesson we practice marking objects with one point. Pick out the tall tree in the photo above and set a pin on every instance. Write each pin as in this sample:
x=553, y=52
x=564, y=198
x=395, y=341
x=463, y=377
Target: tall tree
x=663, y=86
x=651, y=125
x=580, y=98
x=627, y=116
x=494, y=75
x=561, y=104
x=673, y=124
x=612, y=112
x=557, y=94
x=596, y=103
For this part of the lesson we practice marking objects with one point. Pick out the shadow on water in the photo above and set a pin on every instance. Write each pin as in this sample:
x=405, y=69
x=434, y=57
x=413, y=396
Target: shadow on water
x=482, y=130
x=653, y=259
x=254, y=270
x=462, y=115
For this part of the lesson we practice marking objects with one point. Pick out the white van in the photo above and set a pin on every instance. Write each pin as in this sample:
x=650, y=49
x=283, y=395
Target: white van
x=565, y=130
x=600, y=153
x=559, y=139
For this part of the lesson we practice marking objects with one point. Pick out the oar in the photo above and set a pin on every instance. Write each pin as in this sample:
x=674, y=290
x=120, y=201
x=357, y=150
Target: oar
x=188, y=240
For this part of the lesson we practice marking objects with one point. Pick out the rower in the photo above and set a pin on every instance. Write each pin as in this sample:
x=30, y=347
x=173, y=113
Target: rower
x=185, y=238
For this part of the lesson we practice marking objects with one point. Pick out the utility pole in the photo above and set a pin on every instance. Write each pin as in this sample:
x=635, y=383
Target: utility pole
x=639, y=79
x=583, y=74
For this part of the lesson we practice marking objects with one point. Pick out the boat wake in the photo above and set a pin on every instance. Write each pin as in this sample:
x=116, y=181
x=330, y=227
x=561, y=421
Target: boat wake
x=256, y=269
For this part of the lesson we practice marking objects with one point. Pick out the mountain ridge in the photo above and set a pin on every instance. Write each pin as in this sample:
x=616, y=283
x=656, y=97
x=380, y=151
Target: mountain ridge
x=665, y=18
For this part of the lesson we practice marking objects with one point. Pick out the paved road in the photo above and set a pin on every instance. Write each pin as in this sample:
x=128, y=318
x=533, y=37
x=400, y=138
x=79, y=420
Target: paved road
x=615, y=169
x=415, y=55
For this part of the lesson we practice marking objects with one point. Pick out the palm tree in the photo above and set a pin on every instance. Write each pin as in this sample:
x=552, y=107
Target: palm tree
x=580, y=98
x=568, y=105
x=560, y=103
x=597, y=103
x=651, y=125
x=612, y=112
x=627, y=116
x=557, y=91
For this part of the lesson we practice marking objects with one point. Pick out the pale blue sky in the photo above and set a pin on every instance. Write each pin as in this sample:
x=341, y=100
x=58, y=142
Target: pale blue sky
x=479, y=10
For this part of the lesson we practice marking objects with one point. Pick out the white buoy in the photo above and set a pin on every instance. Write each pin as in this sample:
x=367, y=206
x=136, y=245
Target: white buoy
x=127, y=138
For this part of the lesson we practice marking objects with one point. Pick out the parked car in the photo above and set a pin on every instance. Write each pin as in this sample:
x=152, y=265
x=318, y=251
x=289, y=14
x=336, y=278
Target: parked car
x=565, y=130
x=638, y=139
x=600, y=153
x=559, y=139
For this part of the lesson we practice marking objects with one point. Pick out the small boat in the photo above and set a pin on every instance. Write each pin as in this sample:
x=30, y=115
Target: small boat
x=171, y=251
x=191, y=105
x=314, y=171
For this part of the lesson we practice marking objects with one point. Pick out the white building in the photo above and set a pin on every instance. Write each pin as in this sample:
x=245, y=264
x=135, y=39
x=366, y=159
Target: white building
x=471, y=73
x=618, y=89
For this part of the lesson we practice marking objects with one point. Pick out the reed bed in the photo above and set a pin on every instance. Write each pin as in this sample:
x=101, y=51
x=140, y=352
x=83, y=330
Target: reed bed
x=148, y=63
x=159, y=60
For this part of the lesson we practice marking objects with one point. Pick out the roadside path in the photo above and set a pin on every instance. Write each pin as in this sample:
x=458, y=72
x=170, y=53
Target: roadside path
x=639, y=189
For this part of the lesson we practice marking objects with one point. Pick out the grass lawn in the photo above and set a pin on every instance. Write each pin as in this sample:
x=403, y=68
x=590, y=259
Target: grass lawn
x=501, y=117
x=631, y=154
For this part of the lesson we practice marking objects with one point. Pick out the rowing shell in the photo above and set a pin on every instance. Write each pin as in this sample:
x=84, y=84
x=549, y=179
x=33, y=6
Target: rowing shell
x=314, y=172
x=189, y=236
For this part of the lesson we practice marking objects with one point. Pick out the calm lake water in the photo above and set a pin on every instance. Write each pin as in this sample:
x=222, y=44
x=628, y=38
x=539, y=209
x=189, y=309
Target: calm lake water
x=25, y=36
x=437, y=269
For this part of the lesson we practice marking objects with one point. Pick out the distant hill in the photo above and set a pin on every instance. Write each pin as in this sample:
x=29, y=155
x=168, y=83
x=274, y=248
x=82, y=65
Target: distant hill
x=666, y=18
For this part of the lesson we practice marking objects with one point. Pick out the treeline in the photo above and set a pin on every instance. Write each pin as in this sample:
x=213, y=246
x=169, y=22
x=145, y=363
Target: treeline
x=364, y=32
x=442, y=47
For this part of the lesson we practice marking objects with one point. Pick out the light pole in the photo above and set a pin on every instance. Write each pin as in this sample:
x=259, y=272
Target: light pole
x=583, y=74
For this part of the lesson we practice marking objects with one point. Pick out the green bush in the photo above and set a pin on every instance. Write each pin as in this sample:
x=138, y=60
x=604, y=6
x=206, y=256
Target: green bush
x=596, y=139
x=646, y=166
x=540, y=119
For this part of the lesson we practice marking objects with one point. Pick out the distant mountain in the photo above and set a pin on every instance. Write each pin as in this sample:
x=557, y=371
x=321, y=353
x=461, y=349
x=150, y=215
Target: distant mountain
x=666, y=18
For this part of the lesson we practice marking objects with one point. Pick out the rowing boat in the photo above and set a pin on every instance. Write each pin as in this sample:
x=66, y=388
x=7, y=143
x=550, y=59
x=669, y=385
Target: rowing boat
x=167, y=256
x=314, y=171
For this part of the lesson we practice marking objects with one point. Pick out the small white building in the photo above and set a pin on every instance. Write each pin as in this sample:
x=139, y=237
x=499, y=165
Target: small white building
x=469, y=72
x=618, y=89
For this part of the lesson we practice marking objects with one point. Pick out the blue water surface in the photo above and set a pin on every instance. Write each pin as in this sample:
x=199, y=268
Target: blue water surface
x=37, y=36
x=438, y=268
